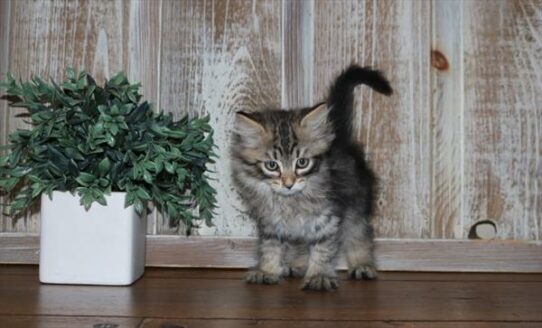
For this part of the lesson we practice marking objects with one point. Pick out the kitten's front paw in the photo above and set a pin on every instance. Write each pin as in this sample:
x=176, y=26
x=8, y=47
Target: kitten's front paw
x=260, y=277
x=365, y=272
x=320, y=282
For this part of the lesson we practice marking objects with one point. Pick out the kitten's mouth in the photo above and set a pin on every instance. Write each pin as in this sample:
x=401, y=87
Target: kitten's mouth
x=283, y=191
x=288, y=192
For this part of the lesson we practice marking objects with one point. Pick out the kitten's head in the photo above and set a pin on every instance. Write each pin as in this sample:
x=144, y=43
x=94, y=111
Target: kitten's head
x=282, y=149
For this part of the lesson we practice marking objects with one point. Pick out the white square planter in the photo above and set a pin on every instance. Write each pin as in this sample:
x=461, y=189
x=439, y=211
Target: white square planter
x=104, y=246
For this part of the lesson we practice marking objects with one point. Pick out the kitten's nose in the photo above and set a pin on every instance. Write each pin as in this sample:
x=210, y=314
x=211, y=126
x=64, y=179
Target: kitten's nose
x=288, y=182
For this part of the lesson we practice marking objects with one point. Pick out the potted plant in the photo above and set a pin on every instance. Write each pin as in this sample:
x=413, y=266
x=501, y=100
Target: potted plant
x=96, y=157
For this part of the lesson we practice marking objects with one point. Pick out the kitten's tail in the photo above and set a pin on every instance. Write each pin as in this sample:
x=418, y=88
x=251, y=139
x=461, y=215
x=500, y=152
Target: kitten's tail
x=341, y=97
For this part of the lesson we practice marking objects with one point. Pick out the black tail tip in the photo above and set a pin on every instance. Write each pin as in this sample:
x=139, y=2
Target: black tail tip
x=383, y=86
x=378, y=81
x=366, y=75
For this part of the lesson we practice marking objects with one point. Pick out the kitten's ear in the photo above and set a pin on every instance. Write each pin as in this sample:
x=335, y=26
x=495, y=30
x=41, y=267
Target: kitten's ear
x=316, y=118
x=247, y=124
x=316, y=130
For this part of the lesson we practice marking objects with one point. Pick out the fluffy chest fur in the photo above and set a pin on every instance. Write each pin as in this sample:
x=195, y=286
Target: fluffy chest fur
x=296, y=219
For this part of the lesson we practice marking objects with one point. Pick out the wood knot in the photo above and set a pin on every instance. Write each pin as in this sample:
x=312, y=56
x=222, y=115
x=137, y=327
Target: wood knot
x=439, y=61
x=485, y=229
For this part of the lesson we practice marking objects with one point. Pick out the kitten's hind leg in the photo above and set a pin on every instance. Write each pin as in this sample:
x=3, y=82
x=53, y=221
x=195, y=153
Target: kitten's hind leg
x=358, y=246
x=269, y=268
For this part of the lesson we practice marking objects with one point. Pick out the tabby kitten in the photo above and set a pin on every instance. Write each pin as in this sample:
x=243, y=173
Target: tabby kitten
x=308, y=186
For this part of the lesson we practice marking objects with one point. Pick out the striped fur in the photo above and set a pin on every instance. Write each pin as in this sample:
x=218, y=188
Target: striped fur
x=308, y=187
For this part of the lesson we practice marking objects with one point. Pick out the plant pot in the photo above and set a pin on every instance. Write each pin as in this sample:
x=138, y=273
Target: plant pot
x=102, y=246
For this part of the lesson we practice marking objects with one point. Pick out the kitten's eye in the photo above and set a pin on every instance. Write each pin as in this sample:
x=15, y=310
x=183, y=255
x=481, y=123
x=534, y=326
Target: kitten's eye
x=271, y=165
x=302, y=163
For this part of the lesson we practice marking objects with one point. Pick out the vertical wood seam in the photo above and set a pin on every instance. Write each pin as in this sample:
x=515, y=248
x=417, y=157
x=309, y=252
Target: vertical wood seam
x=283, y=101
x=7, y=59
x=462, y=121
x=432, y=117
x=370, y=95
x=310, y=88
x=438, y=228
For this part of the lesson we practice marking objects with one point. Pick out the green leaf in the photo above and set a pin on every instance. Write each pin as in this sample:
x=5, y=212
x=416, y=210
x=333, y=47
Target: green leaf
x=132, y=97
x=170, y=167
x=98, y=129
x=20, y=171
x=138, y=206
x=85, y=179
x=100, y=198
x=37, y=189
x=70, y=74
x=104, y=166
x=8, y=184
x=70, y=86
x=147, y=176
x=114, y=129
x=118, y=79
x=86, y=200
x=110, y=140
x=143, y=194
x=90, y=91
x=103, y=183
x=81, y=84
x=130, y=198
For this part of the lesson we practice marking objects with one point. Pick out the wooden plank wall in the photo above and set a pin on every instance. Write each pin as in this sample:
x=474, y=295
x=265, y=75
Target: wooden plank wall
x=458, y=142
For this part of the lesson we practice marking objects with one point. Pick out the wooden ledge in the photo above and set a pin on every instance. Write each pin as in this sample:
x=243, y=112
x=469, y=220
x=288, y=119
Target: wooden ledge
x=392, y=254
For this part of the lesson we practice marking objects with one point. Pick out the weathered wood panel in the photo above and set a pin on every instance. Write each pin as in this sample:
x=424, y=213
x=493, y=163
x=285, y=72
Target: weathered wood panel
x=446, y=120
x=141, y=45
x=503, y=116
x=47, y=36
x=219, y=57
x=297, y=53
x=393, y=36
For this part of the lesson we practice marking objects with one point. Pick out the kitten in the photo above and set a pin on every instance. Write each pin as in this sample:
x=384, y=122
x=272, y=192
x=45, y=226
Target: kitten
x=308, y=186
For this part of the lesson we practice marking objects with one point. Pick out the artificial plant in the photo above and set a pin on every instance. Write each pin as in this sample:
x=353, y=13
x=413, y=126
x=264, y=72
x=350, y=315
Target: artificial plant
x=93, y=140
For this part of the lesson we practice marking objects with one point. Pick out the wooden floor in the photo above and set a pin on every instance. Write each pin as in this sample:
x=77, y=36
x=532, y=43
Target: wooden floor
x=171, y=298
